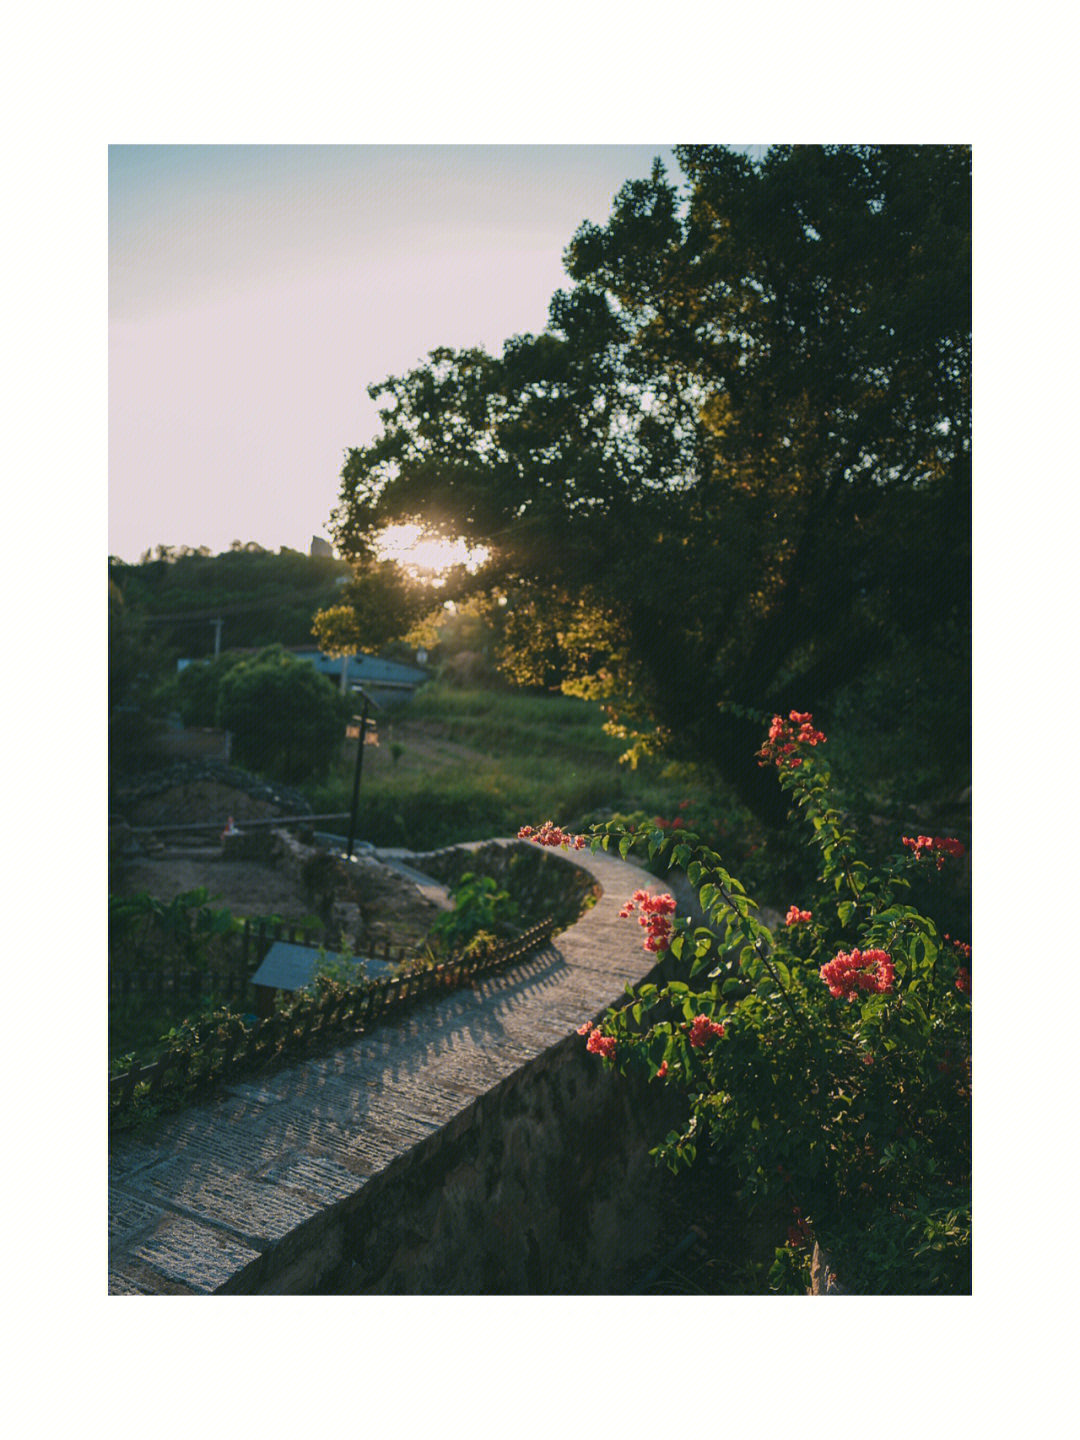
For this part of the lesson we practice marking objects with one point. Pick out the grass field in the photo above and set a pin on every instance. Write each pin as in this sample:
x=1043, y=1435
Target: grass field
x=458, y=765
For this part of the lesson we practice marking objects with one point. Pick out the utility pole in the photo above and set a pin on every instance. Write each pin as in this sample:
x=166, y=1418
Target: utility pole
x=217, y=637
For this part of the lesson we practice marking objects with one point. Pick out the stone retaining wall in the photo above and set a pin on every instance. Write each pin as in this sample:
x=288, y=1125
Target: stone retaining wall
x=543, y=1185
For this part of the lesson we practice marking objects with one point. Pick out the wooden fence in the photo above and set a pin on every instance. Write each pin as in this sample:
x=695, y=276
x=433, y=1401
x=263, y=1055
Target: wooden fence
x=225, y=967
x=222, y=1046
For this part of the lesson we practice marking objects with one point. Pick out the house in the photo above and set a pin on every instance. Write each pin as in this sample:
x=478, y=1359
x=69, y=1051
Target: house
x=381, y=679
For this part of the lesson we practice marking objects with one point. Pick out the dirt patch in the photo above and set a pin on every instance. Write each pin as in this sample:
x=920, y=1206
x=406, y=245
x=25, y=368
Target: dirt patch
x=246, y=887
x=389, y=906
x=382, y=903
x=196, y=802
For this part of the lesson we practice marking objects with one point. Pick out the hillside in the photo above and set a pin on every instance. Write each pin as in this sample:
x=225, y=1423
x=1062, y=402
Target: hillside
x=261, y=598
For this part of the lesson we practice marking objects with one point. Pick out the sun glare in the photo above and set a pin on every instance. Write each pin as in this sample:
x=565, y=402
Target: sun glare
x=426, y=555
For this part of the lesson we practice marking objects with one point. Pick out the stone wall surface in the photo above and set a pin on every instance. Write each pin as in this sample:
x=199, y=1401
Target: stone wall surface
x=468, y=1147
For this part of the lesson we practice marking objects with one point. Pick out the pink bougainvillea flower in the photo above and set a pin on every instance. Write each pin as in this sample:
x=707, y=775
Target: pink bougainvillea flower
x=784, y=739
x=703, y=1030
x=795, y=916
x=938, y=845
x=871, y=970
x=550, y=834
x=662, y=1071
x=584, y=1029
x=963, y=980
x=655, y=911
x=601, y=1044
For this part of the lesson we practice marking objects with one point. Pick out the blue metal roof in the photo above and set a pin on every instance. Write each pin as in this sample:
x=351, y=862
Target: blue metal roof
x=363, y=668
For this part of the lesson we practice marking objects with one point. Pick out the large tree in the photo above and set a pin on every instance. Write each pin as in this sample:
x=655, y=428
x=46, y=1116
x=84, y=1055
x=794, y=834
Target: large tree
x=736, y=466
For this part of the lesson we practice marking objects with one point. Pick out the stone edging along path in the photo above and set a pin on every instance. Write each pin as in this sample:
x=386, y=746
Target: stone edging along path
x=233, y=1189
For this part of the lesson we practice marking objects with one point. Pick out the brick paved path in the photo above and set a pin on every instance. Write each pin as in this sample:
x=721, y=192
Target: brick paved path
x=214, y=1187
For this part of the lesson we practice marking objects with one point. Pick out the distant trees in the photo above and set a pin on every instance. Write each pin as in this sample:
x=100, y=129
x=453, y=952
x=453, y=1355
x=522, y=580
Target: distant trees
x=380, y=604
x=263, y=598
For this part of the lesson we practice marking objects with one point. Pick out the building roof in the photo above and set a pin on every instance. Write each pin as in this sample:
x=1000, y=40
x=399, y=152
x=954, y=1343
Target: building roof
x=364, y=668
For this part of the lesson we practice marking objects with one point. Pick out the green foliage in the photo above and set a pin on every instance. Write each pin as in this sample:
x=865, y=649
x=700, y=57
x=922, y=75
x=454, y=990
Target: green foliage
x=195, y=689
x=481, y=907
x=261, y=597
x=338, y=969
x=525, y=753
x=145, y=932
x=187, y=923
x=136, y=667
x=853, y=1108
x=380, y=604
x=285, y=717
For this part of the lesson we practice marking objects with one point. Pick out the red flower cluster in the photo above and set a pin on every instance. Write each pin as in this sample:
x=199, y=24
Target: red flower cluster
x=702, y=1031
x=656, y=911
x=938, y=843
x=960, y=948
x=861, y=970
x=601, y=1044
x=550, y=834
x=662, y=1071
x=795, y=916
x=963, y=980
x=784, y=739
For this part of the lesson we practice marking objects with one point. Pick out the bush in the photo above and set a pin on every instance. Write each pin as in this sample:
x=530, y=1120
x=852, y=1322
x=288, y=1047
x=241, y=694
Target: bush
x=826, y=1067
x=285, y=717
x=481, y=907
x=196, y=689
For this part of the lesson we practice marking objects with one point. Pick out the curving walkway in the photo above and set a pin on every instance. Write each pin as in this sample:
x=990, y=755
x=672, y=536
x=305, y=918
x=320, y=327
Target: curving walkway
x=226, y=1187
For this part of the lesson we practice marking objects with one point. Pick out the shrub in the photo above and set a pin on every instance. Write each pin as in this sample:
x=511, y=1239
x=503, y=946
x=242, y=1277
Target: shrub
x=285, y=716
x=481, y=907
x=826, y=1066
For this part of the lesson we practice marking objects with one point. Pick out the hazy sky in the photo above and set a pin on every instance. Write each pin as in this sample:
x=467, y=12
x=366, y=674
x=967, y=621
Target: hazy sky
x=256, y=291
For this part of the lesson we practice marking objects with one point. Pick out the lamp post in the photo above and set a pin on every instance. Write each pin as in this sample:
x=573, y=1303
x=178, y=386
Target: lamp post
x=358, y=730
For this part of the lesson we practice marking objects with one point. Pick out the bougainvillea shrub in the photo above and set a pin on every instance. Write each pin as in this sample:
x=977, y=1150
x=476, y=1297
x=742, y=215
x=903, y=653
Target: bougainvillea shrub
x=826, y=1064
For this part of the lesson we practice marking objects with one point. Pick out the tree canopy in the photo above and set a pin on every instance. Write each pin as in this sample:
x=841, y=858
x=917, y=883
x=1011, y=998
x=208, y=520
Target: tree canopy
x=735, y=468
x=285, y=717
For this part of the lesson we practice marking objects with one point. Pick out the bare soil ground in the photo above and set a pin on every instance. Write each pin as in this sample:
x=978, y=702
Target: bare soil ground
x=246, y=887
x=390, y=906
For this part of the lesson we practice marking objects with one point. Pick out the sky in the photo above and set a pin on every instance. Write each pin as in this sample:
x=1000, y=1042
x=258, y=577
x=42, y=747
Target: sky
x=255, y=292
